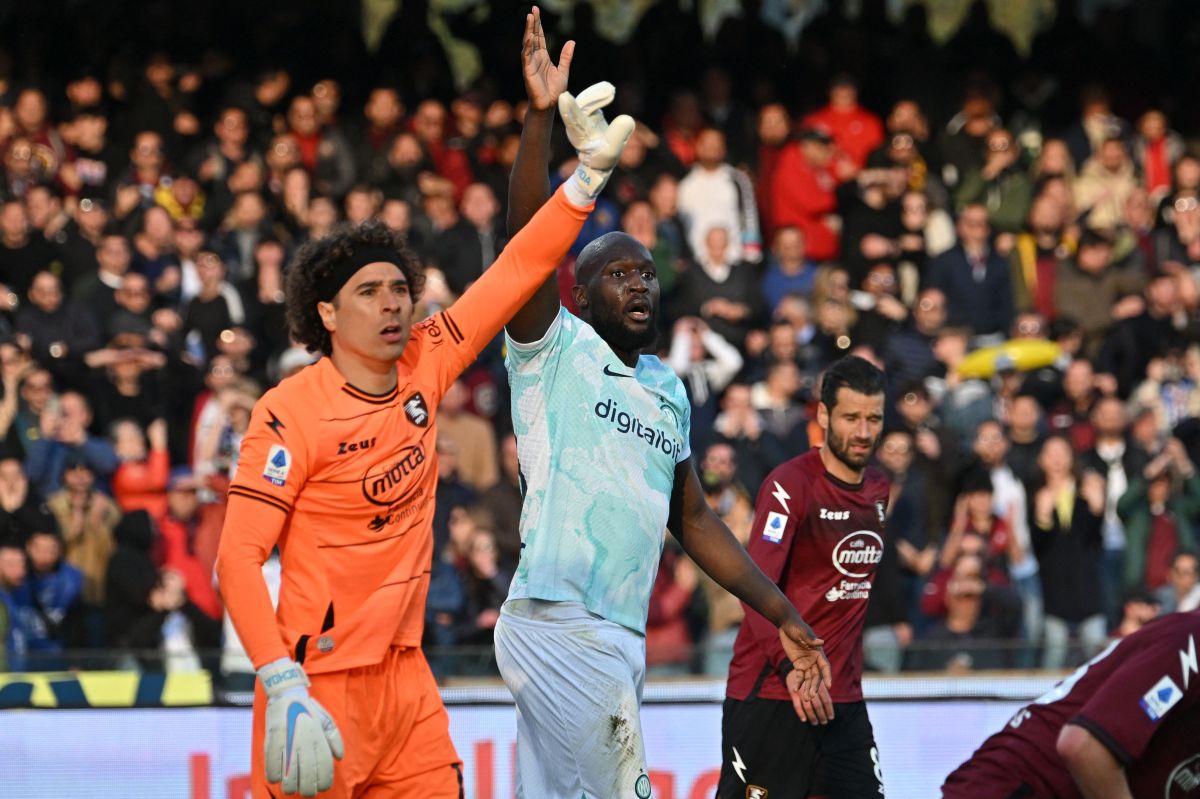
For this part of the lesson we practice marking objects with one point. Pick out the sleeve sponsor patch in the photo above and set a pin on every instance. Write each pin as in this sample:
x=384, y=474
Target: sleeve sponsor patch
x=773, y=529
x=279, y=462
x=1161, y=698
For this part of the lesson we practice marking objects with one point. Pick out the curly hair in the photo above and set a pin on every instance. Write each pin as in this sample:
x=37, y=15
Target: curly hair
x=317, y=259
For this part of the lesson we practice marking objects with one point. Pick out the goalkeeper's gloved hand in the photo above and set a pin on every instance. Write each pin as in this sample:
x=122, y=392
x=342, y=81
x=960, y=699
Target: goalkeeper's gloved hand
x=302, y=739
x=598, y=143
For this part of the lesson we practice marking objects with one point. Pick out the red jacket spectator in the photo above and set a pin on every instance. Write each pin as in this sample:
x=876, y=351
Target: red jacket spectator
x=803, y=193
x=140, y=483
x=856, y=131
x=189, y=533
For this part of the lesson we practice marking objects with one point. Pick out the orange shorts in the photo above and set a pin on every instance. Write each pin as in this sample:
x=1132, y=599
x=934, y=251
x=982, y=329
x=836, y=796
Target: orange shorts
x=396, y=731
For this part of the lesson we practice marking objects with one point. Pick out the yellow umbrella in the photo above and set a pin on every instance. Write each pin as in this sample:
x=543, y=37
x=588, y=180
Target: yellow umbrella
x=1023, y=354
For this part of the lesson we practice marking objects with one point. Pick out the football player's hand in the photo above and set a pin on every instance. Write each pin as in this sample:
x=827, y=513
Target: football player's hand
x=598, y=143
x=302, y=739
x=818, y=710
x=803, y=649
x=544, y=81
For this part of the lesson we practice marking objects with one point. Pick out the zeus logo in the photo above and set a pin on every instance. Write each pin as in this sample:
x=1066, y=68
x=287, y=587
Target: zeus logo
x=1187, y=661
x=783, y=497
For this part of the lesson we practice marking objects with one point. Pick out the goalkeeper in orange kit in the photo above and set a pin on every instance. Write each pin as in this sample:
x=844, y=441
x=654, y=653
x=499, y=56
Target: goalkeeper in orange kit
x=338, y=469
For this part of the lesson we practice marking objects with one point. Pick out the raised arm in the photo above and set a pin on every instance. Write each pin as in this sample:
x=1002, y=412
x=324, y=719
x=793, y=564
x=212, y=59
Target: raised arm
x=529, y=183
x=707, y=541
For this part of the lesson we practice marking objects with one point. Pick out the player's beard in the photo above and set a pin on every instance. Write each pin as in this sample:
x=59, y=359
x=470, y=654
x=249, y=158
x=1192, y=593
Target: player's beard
x=840, y=447
x=612, y=326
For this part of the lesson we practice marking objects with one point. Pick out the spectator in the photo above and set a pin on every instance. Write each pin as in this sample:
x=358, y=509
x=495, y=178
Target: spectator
x=1119, y=460
x=1066, y=516
x=1001, y=185
x=190, y=531
x=777, y=399
x=63, y=434
x=974, y=278
x=448, y=157
x=774, y=130
x=789, y=269
x=715, y=195
x=12, y=576
x=383, y=113
x=216, y=307
x=452, y=499
x=1035, y=256
x=856, y=131
x=474, y=438
x=1182, y=591
x=707, y=363
x=323, y=150
x=1093, y=291
x=140, y=482
x=1159, y=510
x=47, y=602
x=1105, y=182
x=668, y=637
x=978, y=616
x=1156, y=150
x=504, y=499
x=803, y=193
x=723, y=291
x=908, y=353
x=22, y=255
x=86, y=518
x=1139, y=607
x=741, y=426
x=97, y=290
x=59, y=333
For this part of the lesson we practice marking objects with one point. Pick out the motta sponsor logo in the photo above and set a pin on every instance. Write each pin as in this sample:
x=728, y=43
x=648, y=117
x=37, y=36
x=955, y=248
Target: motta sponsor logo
x=858, y=554
x=386, y=483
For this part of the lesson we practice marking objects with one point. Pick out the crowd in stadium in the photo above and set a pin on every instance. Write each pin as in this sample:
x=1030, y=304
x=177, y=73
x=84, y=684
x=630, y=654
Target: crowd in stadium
x=148, y=218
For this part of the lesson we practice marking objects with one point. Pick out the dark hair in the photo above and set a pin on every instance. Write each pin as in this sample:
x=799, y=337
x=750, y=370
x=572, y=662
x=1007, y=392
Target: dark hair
x=854, y=373
x=317, y=259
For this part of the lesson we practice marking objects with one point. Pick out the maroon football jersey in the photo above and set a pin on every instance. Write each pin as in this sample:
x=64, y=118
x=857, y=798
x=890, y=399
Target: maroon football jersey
x=1140, y=697
x=820, y=540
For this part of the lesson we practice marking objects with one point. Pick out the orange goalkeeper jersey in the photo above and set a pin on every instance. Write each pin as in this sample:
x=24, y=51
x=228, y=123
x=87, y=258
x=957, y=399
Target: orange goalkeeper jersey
x=343, y=481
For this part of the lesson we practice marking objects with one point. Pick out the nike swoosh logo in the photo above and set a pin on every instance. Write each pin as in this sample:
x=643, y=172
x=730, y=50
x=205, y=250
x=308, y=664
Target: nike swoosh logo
x=608, y=371
x=295, y=710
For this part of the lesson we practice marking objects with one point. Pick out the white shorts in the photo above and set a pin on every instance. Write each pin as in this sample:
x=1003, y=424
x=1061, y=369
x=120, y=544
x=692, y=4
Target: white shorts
x=577, y=680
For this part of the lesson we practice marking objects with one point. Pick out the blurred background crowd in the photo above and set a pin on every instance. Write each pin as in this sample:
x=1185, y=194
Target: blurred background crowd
x=1012, y=233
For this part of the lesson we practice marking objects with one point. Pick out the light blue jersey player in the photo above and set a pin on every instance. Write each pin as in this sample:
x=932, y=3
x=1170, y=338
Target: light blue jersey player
x=602, y=434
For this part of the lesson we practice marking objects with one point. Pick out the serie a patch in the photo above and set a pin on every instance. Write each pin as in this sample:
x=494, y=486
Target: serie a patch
x=1161, y=698
x=773, y=529
x=279, y=463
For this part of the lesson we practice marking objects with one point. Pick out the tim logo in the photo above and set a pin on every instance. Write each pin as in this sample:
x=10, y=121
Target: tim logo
x=858, y=554
x=416, y=410
x=386, y=483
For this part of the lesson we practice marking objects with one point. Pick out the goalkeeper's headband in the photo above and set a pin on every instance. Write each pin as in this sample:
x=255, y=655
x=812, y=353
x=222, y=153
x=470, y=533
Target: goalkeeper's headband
x=331, y=284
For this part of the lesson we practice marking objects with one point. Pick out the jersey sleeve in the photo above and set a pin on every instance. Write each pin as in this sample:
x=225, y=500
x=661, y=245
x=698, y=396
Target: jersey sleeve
x=469, y=324
x=685, y=423
x=1158, y=680
x=521, y=356
x=272, y=468
x=771, y=540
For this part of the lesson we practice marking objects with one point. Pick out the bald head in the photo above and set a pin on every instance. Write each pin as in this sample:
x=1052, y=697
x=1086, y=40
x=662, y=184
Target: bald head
x=615, y=246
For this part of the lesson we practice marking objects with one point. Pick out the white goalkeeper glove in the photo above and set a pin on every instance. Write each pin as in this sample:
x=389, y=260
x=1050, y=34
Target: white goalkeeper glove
x=598, y=143
x=302, y=739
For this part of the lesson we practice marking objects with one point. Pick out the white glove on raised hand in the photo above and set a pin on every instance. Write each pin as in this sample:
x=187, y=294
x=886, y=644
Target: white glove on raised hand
x=598, y=143
x=302, y=739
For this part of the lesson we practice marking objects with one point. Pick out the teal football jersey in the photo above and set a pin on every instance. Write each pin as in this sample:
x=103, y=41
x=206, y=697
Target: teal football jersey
x=598, y=443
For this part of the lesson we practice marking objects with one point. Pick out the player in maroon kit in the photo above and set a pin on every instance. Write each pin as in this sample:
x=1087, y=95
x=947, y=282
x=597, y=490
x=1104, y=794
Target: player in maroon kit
x=1125, y=724
x=818, y=532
